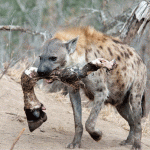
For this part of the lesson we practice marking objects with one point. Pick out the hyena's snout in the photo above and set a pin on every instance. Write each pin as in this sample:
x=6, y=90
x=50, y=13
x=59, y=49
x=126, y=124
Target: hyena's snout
x=44, y=70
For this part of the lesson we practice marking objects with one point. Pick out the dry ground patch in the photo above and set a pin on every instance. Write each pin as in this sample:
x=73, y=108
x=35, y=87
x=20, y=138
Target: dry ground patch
x=58, y=131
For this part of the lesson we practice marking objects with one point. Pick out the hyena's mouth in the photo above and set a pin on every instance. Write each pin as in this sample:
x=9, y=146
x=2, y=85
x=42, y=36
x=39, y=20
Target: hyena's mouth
x=50, y=80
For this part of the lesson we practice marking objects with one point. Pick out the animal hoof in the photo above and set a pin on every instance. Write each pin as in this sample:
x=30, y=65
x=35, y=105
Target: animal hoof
x=126, y=142
x=96, y=135
x=73, y=145
x=35, y=118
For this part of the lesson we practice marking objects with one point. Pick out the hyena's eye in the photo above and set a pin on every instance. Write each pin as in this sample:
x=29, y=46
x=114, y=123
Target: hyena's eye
x=53, y=58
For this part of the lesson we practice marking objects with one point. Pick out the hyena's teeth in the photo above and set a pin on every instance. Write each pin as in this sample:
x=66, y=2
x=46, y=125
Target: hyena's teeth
x=49, y=81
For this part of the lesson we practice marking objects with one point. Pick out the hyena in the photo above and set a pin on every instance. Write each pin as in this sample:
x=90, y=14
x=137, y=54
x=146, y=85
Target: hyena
x=123, y=87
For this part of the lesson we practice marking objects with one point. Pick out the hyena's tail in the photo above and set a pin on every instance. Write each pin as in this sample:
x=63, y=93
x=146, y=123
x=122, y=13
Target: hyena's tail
x=143, y=103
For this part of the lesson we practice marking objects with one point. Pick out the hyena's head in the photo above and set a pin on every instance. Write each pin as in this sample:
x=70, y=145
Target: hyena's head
x=56, y=54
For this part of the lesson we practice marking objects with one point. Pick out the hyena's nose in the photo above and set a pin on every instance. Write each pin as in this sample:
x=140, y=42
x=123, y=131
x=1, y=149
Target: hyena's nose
x=43, y=71
x=41, y=74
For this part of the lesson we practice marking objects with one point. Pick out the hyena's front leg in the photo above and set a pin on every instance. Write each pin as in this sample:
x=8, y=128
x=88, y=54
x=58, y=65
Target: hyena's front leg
x=100, y=96
x=77, y=111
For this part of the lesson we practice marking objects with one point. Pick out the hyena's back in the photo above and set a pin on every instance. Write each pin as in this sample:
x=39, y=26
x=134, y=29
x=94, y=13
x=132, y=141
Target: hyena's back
x=92, y=44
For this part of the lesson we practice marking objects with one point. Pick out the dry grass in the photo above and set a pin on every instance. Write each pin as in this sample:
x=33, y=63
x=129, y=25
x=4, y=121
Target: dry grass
x=146, y=125
x=59, y=129
x=15, y=72
x=59, y=97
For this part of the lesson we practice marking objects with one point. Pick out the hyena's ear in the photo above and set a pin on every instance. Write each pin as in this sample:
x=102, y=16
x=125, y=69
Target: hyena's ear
x=71, y=45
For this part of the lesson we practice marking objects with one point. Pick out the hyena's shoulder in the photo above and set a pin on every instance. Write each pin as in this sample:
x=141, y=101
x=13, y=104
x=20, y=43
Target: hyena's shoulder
x=88, y=37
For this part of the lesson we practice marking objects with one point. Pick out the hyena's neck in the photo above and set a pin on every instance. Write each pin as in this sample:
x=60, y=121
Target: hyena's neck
x=76, y=59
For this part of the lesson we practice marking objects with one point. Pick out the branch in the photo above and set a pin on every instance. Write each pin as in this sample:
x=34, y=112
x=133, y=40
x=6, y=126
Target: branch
x=17, y=139
x=18, y=28
x=91, y=9
x=45, y=34
x=102, y=14
x=110, y=24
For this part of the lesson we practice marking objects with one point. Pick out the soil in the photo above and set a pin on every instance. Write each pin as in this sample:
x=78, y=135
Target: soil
x=58, y=130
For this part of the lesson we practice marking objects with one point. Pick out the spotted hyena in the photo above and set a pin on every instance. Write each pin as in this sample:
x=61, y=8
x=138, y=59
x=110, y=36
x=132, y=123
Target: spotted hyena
x=123, y=87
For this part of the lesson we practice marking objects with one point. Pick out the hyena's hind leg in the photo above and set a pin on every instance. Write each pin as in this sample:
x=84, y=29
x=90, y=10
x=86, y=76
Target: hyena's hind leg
x=135, y=100
x=131, y=111
x=125, y=111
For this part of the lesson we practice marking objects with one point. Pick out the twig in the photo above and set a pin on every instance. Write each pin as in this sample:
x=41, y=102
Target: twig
x=11, y=113
x=5, y=70
x=145, y=144
x=7, y=66
x=17, y=139
x=91, y=9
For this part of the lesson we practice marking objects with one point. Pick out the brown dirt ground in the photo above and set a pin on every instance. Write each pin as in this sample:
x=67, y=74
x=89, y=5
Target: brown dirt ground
x=58, y=130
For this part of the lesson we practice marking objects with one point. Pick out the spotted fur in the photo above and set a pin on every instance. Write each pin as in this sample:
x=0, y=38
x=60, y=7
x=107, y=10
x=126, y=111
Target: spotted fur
x=122, y=87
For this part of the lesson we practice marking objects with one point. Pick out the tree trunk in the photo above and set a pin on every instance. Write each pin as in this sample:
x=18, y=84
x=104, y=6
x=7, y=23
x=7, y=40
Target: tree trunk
x=136, y=23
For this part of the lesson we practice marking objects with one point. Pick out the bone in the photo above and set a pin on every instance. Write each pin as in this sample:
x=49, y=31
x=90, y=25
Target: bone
x=67, y=75
x=71, y=76
x=101, y=62
x=32, y=106
x=28, y=81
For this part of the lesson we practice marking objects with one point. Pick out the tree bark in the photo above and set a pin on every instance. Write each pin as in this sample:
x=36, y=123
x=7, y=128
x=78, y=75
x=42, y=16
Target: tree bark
x=136, y=23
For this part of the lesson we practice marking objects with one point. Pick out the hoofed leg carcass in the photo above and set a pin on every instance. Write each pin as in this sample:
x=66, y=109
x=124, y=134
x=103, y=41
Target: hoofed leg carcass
x=71, y=76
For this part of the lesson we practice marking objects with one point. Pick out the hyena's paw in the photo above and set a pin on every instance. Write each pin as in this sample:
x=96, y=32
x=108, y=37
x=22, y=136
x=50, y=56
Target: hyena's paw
x=73, y=145
x=136, y=146
x=96, y=135
x=126, y=142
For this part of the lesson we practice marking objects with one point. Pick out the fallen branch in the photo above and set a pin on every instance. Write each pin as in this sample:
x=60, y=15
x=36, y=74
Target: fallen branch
x=11, y=114
x=16, y=140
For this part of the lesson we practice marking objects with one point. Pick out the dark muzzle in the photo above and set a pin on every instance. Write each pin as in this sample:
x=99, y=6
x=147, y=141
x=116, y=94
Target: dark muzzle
x=43, y=72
